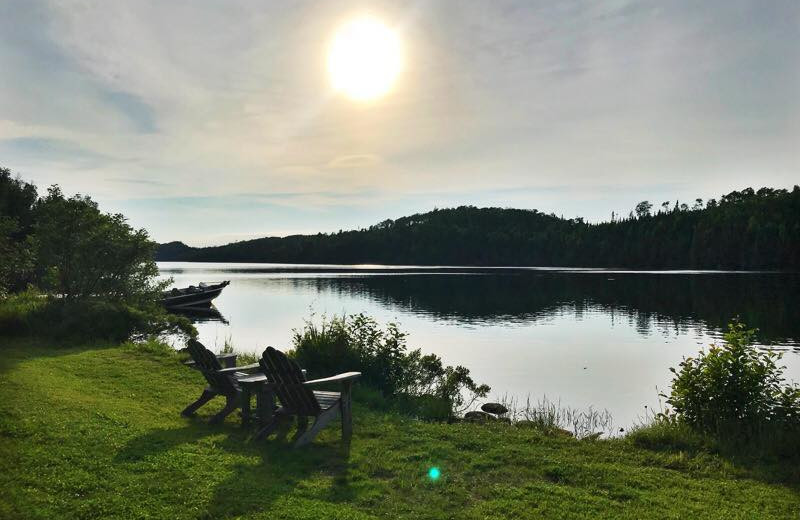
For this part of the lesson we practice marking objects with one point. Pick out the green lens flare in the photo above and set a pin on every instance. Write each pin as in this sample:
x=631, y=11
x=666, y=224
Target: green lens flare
x=434, y=473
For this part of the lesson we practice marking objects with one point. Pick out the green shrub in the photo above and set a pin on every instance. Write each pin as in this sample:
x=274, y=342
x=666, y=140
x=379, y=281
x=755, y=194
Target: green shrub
x=33, y=313
x=734, y=390
x=663, y=433
x=18, y=311
x=416, y=383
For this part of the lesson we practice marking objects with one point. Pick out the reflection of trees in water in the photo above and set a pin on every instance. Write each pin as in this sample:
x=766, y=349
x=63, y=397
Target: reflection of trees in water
x=661, y=303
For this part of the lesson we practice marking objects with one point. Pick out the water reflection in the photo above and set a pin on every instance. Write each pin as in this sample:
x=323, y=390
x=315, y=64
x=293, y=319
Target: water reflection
x=201, y=314
x=652, y=303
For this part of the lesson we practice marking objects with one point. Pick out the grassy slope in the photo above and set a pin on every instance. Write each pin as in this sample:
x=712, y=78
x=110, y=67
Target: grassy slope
x=96, y=433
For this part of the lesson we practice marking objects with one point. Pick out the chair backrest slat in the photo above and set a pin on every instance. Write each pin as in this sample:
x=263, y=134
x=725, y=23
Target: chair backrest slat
x=280, y=375
x=208, y=364
x=288, y=379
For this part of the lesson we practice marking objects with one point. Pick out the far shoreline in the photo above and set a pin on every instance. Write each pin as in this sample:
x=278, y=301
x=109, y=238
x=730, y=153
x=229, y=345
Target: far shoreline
x=455, y=269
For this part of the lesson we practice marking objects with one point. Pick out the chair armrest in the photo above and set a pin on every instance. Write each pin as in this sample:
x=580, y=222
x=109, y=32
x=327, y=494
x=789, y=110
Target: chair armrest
x=340, y=378
x=252, y=378
x=238, y=369
x=228, y=359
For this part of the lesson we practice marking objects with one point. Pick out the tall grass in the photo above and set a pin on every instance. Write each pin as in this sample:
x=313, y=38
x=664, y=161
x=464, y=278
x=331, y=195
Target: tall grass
x=553, y=417
x=18, y=312
x=242, y=357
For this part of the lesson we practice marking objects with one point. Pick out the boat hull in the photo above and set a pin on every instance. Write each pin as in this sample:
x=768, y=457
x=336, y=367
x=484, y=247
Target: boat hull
x=199, y=297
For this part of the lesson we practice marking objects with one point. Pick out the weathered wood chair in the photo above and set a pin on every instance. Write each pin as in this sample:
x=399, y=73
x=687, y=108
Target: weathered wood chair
x=297, y=398
x=221, y=380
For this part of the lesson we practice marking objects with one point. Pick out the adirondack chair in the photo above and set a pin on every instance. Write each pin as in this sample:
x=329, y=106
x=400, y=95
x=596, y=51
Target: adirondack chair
x=221, y=380
x=297, y=398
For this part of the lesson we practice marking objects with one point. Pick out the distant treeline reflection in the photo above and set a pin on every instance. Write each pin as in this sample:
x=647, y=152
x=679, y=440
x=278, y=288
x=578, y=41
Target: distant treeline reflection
x=766, y=301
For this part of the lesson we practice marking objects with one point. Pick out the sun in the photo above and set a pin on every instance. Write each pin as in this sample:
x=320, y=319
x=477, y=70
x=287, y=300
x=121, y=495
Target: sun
x=364, y=59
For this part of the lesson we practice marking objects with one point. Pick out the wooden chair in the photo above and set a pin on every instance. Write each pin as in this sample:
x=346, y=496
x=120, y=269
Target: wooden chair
x=221, y=380
x=297, y=398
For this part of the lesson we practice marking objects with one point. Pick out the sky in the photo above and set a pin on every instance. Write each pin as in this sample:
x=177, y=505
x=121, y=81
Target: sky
x=208, y=121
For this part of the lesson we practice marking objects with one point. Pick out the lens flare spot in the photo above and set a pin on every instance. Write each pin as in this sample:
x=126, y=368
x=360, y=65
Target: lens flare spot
x=434, y=473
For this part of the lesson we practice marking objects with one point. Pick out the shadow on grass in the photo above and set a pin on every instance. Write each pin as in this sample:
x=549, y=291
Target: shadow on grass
x=17, y=349
x=258, y=473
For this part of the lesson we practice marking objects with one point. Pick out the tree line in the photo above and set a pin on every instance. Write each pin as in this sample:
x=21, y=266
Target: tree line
x=747, y=229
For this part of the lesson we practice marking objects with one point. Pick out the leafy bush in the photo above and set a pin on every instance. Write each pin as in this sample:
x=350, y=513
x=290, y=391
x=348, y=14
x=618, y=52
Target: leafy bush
x=734, y=390
x=34, y=313
x=417, y=383
x=17, y=311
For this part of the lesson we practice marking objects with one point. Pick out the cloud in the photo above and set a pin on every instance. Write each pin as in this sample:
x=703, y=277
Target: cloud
x=139, y=113
x=355, y=161
x=50, y=150
x=45, y=84
x=145, y=182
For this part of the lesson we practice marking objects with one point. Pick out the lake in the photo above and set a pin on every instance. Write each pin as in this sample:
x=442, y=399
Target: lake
x=584, y=337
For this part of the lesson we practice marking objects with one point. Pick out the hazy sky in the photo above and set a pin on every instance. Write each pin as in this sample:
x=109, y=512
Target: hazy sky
x=210, y=121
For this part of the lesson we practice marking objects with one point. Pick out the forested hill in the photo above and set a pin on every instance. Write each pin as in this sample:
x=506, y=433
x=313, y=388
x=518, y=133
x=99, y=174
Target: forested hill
x=745, y=229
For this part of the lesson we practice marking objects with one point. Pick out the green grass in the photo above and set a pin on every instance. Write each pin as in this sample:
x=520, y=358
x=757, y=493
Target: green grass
x=95, y=432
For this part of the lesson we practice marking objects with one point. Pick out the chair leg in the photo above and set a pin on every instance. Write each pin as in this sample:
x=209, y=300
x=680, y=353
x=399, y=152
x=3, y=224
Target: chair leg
x=230, y=406
x=247, y=413
x=302, y=426
x=272, y=424
x=268, y=428
x=320, y=422
x=347, y=413
x=284, y=423
x=309, y=435
x=205, y=397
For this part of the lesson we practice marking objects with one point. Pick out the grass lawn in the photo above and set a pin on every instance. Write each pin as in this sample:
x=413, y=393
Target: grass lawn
x=95, y=432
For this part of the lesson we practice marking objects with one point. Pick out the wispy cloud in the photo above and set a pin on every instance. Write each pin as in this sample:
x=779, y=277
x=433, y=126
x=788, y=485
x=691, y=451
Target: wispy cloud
x=48, y=150
x=144, y=182
x=355, y=161
x=139, y=113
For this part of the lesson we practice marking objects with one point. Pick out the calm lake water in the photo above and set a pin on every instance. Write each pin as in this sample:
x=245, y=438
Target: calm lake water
x=584, y=337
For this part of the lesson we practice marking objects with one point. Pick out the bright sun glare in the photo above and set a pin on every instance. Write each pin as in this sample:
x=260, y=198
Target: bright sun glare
x=364, y=59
